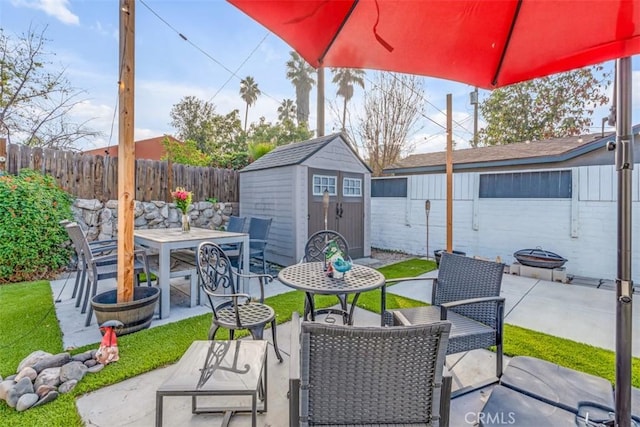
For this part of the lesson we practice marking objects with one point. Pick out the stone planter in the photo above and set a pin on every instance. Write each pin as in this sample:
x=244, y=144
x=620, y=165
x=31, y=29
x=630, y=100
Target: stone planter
x=136, y=315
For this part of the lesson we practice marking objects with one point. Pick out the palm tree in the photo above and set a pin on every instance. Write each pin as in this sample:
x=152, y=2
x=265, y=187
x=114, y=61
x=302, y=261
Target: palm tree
x=300, y=73
x=286, y=110
x=345, y=78
x=249, y=92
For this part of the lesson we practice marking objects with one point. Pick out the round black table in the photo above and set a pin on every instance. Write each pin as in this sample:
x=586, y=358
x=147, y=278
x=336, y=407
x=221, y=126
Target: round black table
x=310, y=277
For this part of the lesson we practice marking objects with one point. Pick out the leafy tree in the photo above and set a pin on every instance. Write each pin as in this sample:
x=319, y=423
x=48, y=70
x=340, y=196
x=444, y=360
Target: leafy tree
x=259, y=149
x=196, y=120
x=286, y=110
x=345, y=78
x=279, y=133
x=301, y=75
x=391, y=110
x=249, y=92
x=555, y=106
x=185, y=153
x=35, y=103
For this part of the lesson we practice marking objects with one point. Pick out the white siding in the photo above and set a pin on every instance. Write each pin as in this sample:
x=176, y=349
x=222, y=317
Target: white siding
x=270, y=193
x=504, y=226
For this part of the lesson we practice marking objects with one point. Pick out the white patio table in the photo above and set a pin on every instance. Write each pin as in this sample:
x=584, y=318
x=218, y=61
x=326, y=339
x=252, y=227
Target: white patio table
x=166, y=240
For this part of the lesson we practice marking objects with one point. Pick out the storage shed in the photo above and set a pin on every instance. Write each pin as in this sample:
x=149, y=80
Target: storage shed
x=287, y=185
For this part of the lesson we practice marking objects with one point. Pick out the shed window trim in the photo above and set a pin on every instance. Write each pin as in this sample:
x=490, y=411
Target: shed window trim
x=352, y=187
x=320, y=182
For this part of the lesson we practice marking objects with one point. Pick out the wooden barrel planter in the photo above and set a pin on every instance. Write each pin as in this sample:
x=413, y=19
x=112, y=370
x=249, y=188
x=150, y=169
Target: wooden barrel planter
x=135, y=315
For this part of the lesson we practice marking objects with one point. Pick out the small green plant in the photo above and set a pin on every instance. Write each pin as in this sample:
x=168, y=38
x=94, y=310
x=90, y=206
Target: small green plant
x=31, y=238
x=213, y=200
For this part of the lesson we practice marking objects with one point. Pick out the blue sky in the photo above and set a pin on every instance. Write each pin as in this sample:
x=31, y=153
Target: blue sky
x=83, y=35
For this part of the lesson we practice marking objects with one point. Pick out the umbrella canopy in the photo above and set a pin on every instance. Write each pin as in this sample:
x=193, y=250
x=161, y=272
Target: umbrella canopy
x=485, y=43
x=489, y=44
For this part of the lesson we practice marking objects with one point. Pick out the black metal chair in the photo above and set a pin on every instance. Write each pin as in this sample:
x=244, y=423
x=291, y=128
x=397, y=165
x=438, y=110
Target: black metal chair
x=231, y=309
x=97, y=266
x=313, y=249
x=466, y=293
x=350, y=375
x=314, y=252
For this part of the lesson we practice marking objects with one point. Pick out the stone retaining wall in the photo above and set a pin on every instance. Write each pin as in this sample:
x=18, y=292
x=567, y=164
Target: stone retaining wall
x=100, y=220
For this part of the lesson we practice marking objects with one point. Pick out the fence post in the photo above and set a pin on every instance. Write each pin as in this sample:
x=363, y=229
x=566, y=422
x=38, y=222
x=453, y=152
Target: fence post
x=169, y=178
x=3, y=154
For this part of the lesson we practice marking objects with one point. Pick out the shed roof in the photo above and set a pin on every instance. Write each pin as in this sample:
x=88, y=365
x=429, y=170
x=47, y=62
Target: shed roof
x=296, y=153
x=522, y=153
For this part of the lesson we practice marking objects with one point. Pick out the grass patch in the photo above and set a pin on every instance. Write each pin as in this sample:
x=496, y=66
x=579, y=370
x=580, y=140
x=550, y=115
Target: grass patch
x=409, y=268
x=28, y=323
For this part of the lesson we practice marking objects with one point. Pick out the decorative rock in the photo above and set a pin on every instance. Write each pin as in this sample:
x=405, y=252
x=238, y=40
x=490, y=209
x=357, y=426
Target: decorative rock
x=54, y=361
x=5, y=386
x=21, y=388
x=11, y=377
x=89, y=363
x=44, y=389
x=67, y=386
x=26, y=401
x=88, y=204
x=27, y=372
x=32, y=359
x=97, y=368
x=51, y=396
x=72, y=371
x=49, y=376
x=82, y=357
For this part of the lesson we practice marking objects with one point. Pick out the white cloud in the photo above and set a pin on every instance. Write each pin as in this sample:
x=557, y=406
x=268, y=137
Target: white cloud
x=57, y=8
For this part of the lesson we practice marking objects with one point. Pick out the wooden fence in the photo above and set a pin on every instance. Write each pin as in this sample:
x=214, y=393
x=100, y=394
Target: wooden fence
x=96, y=177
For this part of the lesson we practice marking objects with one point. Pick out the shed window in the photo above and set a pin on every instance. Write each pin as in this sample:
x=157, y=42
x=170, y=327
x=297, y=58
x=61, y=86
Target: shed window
x=322, y=182
x=352, y=187
x=526, y=185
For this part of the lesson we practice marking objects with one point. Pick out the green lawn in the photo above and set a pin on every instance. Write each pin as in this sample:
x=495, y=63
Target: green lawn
x=28, y=323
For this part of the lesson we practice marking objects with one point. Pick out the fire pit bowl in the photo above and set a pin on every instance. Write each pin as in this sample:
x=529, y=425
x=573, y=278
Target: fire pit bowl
x=539, y=258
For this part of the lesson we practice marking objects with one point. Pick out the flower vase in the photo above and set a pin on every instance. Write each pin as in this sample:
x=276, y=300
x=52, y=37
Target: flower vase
x=186, y=225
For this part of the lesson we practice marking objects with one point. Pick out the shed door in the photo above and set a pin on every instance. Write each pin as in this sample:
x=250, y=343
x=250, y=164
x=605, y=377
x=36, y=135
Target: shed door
x=346, y=206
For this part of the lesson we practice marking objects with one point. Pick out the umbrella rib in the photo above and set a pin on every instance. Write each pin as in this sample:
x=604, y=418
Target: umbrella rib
x=335, y=35
x=494, y=82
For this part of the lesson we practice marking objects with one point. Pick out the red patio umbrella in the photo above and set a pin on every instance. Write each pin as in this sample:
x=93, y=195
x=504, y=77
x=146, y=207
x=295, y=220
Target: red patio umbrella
x=485, y=43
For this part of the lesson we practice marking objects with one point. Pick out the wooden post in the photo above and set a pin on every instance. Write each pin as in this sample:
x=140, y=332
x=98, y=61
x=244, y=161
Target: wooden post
x=449, y=170
x=3, y=154
x=126, y=152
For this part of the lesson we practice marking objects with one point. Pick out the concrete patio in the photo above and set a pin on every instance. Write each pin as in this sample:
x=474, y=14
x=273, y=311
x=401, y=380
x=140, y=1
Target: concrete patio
x=580, y=313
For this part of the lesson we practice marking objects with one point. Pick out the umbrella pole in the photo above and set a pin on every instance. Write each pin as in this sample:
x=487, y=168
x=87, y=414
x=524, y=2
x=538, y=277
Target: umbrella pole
x=624, y=284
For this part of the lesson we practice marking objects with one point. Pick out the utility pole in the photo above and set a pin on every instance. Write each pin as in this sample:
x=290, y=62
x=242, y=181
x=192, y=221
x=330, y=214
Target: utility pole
x=473, y=100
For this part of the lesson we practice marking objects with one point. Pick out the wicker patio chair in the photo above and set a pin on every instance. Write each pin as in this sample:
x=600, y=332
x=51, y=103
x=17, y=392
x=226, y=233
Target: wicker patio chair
x=231, y=309
x=97, y=266
x=368, y=376
x=466, y=293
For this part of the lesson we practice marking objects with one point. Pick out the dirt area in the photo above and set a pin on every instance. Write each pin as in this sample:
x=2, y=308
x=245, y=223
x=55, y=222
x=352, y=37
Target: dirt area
x=390, y=257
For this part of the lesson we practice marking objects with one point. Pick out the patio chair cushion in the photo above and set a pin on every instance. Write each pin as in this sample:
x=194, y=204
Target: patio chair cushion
x=463, y=328
x=559, y=386
x=509, y=407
